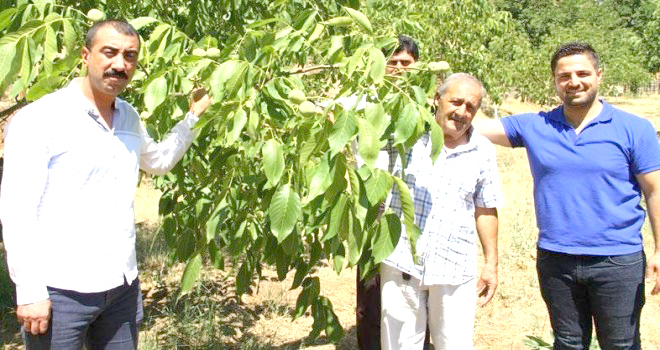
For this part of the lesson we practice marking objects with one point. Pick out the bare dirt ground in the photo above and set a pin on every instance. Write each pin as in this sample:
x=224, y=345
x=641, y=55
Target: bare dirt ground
x=212, y=318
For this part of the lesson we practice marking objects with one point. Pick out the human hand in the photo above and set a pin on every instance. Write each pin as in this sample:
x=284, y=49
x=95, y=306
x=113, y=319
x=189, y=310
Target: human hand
x=199, y=102
x=653, y=272
x=486, y=285
x=34, y=317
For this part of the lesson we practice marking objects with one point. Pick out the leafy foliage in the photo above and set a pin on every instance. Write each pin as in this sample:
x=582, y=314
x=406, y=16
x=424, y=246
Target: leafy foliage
x=266, y=184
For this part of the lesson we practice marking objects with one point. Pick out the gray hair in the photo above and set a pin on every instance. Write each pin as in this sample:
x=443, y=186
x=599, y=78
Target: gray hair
x=442, y=89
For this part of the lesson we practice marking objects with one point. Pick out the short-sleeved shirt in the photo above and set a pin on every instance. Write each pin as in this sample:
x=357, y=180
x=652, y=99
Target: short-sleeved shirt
x=445, y=194
x=586, y=195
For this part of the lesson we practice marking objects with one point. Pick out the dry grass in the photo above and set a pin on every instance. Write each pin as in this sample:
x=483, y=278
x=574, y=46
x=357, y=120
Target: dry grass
x=211, y=318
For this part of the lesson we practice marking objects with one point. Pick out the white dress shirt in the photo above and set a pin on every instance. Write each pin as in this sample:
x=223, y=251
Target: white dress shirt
x=66, y=200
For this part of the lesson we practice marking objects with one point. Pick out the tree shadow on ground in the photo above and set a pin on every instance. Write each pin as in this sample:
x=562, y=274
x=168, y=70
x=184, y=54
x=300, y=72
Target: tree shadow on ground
x=211, y=316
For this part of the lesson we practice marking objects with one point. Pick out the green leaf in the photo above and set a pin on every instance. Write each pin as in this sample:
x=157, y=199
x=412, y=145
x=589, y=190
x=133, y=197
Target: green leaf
x=360, y=19
x=377, y=71
x=342, y=131
x=408, y=207
x=354, y=61
x=302, y=268
x=6, y=17
x=369, y=144
x=311, y=290
x=214, y=220
x=69, y=34
x=338, y=219
x=155, y=93
x=244, y=278
x=321, y=180
x=50, y=47
x=225, y=80
x=273, y=161
x=240, y=119
x=141, y=22
x=375, y=114
x=406, y=123
x=355, y=242
x=437, y=140
x=333, y=328
x=387, y=236
x=318, y=30
x=8, y=64
x=25, y=63
x=44, y=87
x=340, y=21
x=191, y=273
x=264, y=22
x=284, y=211
x=378, y=186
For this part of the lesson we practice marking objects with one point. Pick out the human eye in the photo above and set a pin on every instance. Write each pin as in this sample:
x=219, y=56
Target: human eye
x=131, y=56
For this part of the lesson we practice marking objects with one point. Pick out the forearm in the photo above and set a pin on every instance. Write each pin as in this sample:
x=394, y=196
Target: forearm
x=493, y=130
x=650, y=185
x=487, y=226
x=160, y=157
x=653, y=208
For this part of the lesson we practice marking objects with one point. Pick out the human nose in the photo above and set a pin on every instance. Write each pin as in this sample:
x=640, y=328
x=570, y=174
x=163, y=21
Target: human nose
x=461, y=110
x=574, y=80
x=119, y=63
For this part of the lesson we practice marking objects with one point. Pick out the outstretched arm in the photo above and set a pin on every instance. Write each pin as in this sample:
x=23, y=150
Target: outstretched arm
x=160, y=157
x=486, y=223
x=493, y=130
x=650, y=184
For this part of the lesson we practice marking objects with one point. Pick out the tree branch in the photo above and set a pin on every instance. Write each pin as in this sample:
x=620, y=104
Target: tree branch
x=4, y=114
x=313, y=68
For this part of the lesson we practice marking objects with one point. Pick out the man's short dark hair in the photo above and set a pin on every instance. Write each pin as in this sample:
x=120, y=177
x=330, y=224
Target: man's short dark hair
x=575, y=48
x=120, y=25
x=406, y=44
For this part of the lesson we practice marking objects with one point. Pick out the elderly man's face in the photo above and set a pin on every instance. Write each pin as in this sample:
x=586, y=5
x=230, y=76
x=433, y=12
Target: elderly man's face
x=399, y=62
x=111, y=60
x=457, y=107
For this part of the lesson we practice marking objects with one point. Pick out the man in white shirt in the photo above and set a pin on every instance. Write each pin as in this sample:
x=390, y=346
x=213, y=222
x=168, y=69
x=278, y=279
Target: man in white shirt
x=72, y=162
x=455, y=202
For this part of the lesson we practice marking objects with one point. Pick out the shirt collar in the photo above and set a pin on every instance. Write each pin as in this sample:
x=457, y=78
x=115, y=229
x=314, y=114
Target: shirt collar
x=604, y=116
x=469, y=146
x=75, y=92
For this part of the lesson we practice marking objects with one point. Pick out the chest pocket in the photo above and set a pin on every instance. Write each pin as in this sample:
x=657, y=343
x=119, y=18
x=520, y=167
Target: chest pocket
x=458, y=180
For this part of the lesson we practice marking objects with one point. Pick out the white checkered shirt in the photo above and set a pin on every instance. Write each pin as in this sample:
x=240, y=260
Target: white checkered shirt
x=445, y=195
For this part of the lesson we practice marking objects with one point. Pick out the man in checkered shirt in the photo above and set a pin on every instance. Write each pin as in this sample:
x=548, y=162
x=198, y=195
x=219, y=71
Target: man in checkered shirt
x=455, y=201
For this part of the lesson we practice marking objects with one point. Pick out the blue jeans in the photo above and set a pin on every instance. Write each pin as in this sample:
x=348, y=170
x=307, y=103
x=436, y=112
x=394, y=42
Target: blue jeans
x=104, y=320
x=606, y=289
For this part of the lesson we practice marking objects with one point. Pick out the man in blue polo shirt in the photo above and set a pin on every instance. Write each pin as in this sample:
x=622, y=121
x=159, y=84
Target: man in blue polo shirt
x=590, y=163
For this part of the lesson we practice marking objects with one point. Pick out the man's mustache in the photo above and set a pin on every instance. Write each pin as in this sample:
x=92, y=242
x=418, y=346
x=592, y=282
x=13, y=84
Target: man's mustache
x=456, y=118
x=116, y=74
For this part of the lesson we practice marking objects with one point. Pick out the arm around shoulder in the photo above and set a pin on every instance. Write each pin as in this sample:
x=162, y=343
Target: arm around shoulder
x=493, y=130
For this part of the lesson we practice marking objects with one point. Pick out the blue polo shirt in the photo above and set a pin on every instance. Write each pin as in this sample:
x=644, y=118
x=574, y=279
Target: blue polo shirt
x=586, y=196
